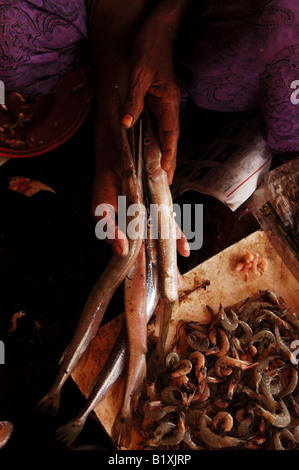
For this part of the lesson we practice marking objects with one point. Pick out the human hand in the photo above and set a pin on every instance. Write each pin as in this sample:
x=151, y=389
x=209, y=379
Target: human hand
x=152, y=77
x=106, y=189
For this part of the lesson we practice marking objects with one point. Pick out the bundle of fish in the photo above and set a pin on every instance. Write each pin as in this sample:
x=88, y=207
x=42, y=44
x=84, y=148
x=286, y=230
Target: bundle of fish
x=231, y=383
x=149, y=272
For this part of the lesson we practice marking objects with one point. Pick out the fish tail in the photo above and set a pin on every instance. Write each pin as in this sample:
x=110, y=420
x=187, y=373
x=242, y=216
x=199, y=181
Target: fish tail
x=49, y=403
x=69, y=432
x=121, y=433
x=122, y=430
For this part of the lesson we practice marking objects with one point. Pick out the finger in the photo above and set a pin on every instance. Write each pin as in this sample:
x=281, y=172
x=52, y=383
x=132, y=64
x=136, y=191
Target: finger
x=182, y=242
x=120, y=244
x=169, y=141
x=180, y=279
x=166, y=112
x=138, y=87
x=106, y=188
x=170, y=172
x=108, y=230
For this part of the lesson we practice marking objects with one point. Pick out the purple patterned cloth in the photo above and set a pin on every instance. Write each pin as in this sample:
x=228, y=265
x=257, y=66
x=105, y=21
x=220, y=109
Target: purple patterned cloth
x=234, y=55
x=239, y=55
x=40, y=41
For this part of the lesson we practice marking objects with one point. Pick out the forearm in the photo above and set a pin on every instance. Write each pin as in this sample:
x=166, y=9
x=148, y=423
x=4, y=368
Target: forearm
x=113, y=26
x=168, y=16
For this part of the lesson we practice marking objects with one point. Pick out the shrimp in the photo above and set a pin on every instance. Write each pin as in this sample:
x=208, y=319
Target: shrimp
x=222, y=422
x=182, y=367
x=268, y=315
x=251, y=307
x=279, y=420
x=187, y=439
x=296, y=433
x=255, y=443
x=164, y=429
x=264, y=336
x=213, y=440
x=203, y=393
x=228, y=321
x=234, y=381
x=259, y=369
x=247, y=335
x=197, y=341
x=283, y=347
x=285, y=435
x=254, y=395
x=200, y=368
x=212, y=335
x=268, y=398
x=292, y=383
x=225, y=344
x=228, y=362
x=154, y=411
x=178, y=435
x=172, y=358
x=14, y=321
x=246, y=426
x=272, y=296
x=236, y=348
x=240, y=415
x=171, y=395
x=295, y=404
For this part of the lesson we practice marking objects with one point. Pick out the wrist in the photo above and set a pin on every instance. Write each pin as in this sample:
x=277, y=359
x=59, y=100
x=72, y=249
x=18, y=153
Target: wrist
x=168, y=16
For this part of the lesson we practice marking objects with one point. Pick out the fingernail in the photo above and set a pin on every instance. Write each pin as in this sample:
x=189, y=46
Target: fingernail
x=165, y=165
x=119, y=250
x=122, y=249
x=127, y=120
x=186, y=250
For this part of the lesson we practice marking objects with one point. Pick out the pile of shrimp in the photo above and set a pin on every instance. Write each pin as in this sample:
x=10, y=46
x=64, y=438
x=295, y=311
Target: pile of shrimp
x=231, y=383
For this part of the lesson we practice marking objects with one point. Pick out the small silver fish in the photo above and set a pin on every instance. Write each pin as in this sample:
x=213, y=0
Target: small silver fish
x=97, y=302
x=114, y=366
x=162, y=210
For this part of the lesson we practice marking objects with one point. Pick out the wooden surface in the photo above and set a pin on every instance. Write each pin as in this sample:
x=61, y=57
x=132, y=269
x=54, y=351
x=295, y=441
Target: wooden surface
x=225, y=285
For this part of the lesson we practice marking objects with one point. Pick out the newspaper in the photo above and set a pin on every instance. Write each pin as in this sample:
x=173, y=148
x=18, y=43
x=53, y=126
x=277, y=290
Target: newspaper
x=275, y=204
x=230, y=168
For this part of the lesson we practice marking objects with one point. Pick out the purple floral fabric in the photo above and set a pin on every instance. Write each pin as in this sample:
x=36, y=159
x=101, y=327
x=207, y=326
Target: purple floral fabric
x=40, y=41
x=233, y=55
x=239, y=55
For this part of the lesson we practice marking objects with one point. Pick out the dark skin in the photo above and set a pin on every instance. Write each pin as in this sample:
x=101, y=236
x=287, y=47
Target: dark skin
x=137, y=58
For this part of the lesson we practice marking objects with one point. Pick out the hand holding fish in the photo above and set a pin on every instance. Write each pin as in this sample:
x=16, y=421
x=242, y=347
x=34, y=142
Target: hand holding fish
x=152, y=76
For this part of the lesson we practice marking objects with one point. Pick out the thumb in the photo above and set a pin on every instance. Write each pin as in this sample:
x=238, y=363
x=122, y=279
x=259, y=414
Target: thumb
x=134, y=103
